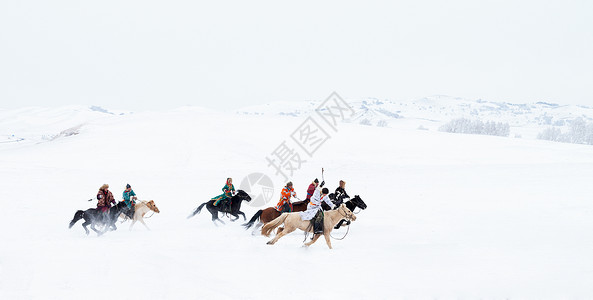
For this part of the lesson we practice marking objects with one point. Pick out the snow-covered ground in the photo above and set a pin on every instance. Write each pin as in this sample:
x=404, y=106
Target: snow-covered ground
x=449, y=216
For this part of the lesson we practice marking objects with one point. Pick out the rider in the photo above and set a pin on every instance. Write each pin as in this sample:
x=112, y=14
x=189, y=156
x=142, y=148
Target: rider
x=314, y=211
x=341, y=193
x=285, y=205
x=105, y=199
x=311, y=188
x=228, y=192
x=130, y=200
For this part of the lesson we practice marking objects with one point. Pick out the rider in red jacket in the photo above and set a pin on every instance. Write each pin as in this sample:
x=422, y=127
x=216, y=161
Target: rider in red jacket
x=311, y=188
x=105, y=198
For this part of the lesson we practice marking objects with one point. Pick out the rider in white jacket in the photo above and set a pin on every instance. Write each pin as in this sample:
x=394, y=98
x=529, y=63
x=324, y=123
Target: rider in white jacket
x=314, y=206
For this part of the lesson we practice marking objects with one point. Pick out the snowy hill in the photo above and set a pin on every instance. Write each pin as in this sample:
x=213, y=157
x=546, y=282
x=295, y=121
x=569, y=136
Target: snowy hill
x=449, y=216
x=37, y=124
x=431, y=112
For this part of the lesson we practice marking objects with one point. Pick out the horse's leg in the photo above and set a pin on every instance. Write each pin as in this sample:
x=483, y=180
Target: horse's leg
x=133, y=222
x=236, y=218
x=142, y=221
x=241, y=213
x=215, y=218
x=281, y=234
x=327, y=239
x=315, y=237
x=95, y=229
x=84, y=225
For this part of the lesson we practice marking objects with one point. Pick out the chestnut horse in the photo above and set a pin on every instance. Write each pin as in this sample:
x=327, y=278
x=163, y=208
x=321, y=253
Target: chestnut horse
x=270, y=213
x=292, y=221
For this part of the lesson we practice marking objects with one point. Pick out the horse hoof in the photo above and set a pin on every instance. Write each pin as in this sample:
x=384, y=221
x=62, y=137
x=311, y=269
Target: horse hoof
x=270, y=243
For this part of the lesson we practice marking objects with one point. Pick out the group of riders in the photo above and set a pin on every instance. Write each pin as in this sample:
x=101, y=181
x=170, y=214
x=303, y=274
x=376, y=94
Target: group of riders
x=316, y=195
x=105, y=199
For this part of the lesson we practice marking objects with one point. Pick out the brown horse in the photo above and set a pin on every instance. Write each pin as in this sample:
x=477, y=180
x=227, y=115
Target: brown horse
x=270, y=213
x=293, y=221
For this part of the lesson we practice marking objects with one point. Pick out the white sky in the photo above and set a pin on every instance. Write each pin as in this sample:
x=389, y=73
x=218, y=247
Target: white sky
x=145, y=54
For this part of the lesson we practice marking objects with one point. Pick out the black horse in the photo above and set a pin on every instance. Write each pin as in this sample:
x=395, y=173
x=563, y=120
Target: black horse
x=94, y=217
x=351, y=204
x=234, y=210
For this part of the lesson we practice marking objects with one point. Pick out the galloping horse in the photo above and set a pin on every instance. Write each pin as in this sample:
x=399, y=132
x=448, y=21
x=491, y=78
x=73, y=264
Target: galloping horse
x=235, y=207
x=140, y=210
x=94, y=217
x=270, y=213
x=292, y=221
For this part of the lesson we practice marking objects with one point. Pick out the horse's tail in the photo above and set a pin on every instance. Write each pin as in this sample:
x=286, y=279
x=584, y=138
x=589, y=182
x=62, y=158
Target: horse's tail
x=77, y=216
x=270, y=226
x=197, y=211
x=255, y=218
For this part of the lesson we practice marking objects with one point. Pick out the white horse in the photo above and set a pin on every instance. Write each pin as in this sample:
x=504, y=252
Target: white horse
x=140, y=211
x=292, y=221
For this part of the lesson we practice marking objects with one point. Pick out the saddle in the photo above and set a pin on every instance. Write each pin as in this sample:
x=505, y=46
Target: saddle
x=317, y=222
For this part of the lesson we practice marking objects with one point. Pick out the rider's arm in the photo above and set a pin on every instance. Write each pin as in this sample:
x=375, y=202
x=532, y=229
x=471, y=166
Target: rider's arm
x=328, y=202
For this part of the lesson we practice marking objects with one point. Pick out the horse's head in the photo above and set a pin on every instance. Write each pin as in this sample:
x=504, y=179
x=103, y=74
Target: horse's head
x=243, y=195
x=152, y=206
x=358, y=202
x=346, y=213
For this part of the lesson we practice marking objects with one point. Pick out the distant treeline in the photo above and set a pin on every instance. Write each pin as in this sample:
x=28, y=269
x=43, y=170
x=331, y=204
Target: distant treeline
x=579, y=132
x=468, y=126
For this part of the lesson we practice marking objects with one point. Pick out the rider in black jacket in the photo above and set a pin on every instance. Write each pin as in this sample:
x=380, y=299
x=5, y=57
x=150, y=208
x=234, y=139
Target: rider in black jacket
x=340, y=193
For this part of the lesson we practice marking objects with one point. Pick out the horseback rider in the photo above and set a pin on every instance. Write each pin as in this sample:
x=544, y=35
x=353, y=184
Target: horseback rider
x=314, y=211
x=285, y=205
x=311, y=189
x=340, y=193
x=104, y=199
x=130, y=200
x=224, y=198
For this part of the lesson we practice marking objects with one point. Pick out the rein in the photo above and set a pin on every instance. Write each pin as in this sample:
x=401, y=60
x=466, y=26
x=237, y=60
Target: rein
x=348, y=218
x=150, y=215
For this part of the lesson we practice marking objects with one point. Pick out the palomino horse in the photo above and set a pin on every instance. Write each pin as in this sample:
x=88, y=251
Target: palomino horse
x=235, y=207
x=292, y=221
x=94, y=217
x=270, y=213
x=140, y=211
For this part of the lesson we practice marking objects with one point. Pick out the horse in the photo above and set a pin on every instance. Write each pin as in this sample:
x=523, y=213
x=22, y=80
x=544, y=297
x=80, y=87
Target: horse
x=352, y=204
x=235, y=207
x=266, y=214
x=94, y=217
x=292, y=221
x=270, y=213
x=140, y=211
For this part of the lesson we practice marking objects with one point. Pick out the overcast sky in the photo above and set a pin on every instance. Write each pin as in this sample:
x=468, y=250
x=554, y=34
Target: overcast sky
x=146, y=54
